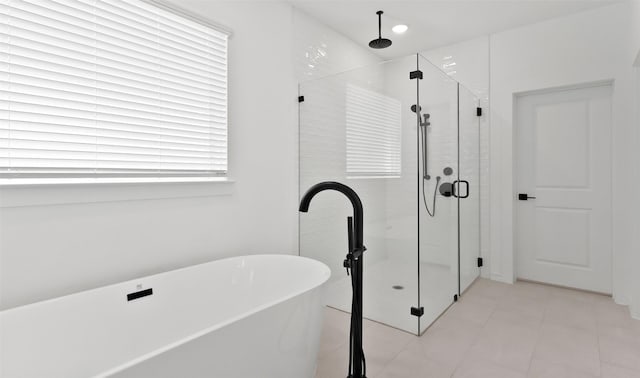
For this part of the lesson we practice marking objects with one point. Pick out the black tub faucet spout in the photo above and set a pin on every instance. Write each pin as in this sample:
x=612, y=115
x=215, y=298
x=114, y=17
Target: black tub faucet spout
x=354, y=261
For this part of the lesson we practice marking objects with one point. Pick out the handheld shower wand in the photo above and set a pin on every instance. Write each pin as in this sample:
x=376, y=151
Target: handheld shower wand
x=423, y=119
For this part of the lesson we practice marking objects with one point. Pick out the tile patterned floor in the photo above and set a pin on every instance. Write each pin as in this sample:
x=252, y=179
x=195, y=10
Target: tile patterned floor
x=499, y=331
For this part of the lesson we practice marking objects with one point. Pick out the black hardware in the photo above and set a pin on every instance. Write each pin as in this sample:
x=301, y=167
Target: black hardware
x=415, y=74
x=524, y=196
x=347, y=263
x=446, y=189
x=455, y=297
x=453, y=188
x=480, y=262
x=300, y=98
x=380, y=43
x=139, y=294
x=354, y=262
x=479, y=112
x=417, y=311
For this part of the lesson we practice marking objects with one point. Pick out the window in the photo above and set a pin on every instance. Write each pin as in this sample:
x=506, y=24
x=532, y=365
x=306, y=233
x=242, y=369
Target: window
x=110, y=89
x=373, y=134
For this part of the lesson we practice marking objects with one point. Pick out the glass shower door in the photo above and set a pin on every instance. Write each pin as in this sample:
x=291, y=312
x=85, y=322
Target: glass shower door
x=468, y=187
x=437, y=139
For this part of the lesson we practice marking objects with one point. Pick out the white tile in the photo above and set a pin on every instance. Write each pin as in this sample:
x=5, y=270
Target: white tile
x=608, y=313
x=573, y=294
x=530, y=290
x=497, y=331
x=382, y=344
x=523, y=309
x=506, y=343
x=571, y=312
x=546, y=369
x=480, y=368
x=410, y=363
x=334, y=364
x=448, y=340
x=475, y=309
x=611, y=371
x=487, y=288
x=575, y=349
x=622, y=349
x=335, y=331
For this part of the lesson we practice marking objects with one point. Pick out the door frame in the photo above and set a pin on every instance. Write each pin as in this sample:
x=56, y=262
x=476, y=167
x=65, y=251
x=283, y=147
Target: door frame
x=515, y=161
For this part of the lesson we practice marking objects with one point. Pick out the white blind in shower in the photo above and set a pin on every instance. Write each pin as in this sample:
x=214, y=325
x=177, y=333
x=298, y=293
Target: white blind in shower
x=92, y=88
x=373, y=123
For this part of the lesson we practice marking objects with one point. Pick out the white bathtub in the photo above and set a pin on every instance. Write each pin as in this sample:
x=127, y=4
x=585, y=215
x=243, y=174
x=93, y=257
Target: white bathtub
x=250, y=317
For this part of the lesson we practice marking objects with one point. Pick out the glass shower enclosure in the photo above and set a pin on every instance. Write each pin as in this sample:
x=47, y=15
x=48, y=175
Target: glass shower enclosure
x=405, y=137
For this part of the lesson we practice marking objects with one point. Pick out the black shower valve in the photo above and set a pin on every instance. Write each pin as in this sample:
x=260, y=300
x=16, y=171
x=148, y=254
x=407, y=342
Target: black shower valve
x=347, y=262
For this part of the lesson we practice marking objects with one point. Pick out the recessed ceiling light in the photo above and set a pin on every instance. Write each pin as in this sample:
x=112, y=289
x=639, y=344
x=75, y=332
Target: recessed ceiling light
x=399, y=29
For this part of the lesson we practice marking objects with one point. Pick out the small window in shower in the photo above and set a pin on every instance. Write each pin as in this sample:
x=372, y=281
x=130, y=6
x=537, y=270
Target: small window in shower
x=373, y=133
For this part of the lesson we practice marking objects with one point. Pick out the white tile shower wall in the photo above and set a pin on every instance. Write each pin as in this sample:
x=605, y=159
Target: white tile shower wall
x=323, y=158
x=555, y=53
x=319, y=53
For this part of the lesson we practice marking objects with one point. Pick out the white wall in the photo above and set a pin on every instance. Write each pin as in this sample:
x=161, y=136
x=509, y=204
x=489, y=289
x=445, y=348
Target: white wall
x=635, y=300
x=582, y=48
x=635, y=49
x=60, y=240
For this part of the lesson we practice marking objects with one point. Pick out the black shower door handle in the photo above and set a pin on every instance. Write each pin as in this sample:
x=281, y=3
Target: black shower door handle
x=455, y=184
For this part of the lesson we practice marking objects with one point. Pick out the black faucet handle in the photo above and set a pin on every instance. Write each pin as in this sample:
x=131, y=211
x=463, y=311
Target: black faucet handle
x=357, y=252
x=347, y=262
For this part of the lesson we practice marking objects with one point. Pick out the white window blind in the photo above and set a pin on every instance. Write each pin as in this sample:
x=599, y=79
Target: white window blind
x=92, y=88
x=373, y=133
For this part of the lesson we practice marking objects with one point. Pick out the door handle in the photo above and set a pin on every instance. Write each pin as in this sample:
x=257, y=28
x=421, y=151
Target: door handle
x=524, y=197
x=455, y=184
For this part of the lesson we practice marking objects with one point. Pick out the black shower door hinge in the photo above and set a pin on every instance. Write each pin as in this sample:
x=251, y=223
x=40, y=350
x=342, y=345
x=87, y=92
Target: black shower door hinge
x=479, y=112
x=300, y=98
x=417, y=311
x=480, y=262
x=415, y=75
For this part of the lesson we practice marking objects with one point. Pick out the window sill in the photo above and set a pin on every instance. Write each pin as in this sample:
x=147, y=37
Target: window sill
x=4, y=183
x=373, y=177
x=32, y=192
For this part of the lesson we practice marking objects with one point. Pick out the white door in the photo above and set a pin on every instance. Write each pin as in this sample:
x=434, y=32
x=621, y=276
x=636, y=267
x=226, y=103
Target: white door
x=563, y=152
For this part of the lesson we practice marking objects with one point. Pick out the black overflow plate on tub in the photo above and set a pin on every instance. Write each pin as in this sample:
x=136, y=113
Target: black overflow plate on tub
x=139, y=294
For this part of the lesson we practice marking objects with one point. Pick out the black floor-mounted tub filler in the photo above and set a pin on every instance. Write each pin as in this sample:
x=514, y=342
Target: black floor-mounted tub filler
x=353, y=262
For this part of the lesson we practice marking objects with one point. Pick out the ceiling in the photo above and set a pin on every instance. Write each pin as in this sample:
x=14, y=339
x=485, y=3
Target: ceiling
x=434, y=23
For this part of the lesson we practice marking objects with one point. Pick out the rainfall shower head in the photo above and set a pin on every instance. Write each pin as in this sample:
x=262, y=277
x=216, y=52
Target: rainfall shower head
x=380, y=43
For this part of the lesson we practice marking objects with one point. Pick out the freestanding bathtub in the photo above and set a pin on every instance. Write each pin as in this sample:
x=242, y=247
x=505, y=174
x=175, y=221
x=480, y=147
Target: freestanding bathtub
x=249, y=317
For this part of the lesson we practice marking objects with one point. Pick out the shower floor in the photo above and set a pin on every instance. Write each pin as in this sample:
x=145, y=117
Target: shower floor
x=385, y=304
